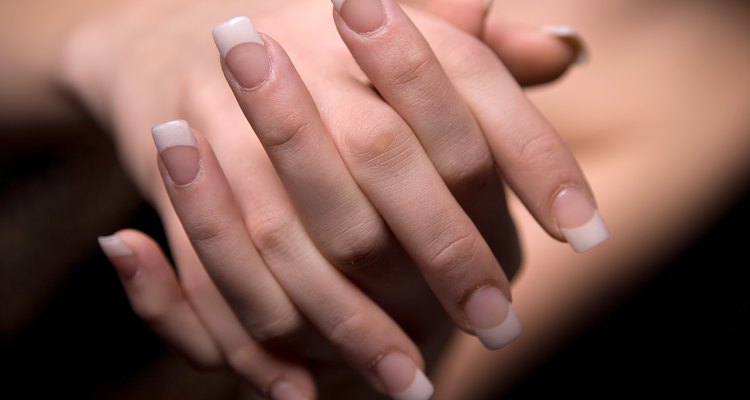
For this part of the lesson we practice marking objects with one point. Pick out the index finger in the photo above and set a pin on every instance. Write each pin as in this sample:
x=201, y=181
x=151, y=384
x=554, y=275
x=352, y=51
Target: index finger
x=533, y=158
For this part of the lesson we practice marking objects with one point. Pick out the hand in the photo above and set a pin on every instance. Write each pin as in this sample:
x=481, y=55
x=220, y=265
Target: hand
x=181, y=269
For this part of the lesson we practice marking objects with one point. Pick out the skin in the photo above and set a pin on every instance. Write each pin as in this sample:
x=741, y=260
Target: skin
x=561, y=304
x=121, y=109
x=358, y=343
x=703, y=187
x=561, y=290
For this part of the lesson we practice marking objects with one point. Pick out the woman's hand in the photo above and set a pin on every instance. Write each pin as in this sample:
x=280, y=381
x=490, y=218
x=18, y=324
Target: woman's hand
x=280, y=206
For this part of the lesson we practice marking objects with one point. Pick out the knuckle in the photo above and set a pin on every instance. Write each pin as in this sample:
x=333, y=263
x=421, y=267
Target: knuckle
x=382, y=141
x=277, y=329
x=291, y=127
x=452, y=249
x=348, y=328
x=242, y=358
x=535, y=152
x=412, y=68
x=360, y=245
x=206, y=230
x=270, y=226
x=469, y=171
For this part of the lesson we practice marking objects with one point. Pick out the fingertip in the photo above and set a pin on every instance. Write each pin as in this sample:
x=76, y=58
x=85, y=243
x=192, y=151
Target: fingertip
x=113, y=246
x=120, y=254
x=577, y=48
x=535, y=55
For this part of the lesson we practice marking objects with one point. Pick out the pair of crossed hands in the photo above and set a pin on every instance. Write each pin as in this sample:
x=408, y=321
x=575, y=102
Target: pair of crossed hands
x=352, y=207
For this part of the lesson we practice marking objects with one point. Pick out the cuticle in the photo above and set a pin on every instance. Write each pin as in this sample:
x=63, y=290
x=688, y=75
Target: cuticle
x=271, y=69
x=367, y=35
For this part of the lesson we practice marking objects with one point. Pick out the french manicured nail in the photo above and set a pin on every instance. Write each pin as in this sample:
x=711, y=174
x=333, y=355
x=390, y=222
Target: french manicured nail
x=283, y=390
x=362, y=16
x=579, y=221
x=570, y=37
x=243, y=51
x=114, y=248
x=492, y=318
x=402, y=379
x=487, y=6
x=178, y=151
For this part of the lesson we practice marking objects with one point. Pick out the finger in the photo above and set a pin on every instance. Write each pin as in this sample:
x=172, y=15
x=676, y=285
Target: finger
x=534, y=55
x=403, y=68
x=339, y=218
x=355, y=326
x=532, y=157
x=385, y=158
x=241, y=352
x=287, y=122
x=156, y=296
x=400, y=64
x=209, y=215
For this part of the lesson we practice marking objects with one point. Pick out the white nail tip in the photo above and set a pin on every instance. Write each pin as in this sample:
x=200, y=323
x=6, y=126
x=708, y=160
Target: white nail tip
x=337, y=4
x=588, y=235
x=566, y=32
x=559, y=30
x=420, y=389
x=173, y=133
x=503, y=334
x=113, y=246
x=233, y=32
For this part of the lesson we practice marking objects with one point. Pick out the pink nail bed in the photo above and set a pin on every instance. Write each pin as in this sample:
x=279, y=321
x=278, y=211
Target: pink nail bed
x=579, y=221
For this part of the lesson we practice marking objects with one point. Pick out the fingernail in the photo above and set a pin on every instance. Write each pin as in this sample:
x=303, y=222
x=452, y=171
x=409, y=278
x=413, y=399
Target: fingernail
x=579, y=221
x=401, y=377
x=283, y=390
x=492, y=317
x=570, y=37
x=113, y=247
x=178, y=151
x=487, y=6
x=362, y=16
x=243, y=51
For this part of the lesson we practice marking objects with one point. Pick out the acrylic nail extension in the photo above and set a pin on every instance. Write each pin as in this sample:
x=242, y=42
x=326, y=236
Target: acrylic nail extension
x=243, y=51
x=120, y=255
x=113, y=246
x=492, y=317
x=233, y=32
x=579, y=221
x=402, y=379
x=571, y=38
x=362, y=16
x=178, y=151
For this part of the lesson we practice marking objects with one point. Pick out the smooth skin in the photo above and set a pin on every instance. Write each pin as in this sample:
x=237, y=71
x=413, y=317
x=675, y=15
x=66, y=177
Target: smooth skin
x=266, y=237
x=279, y=146
x=119, y=109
